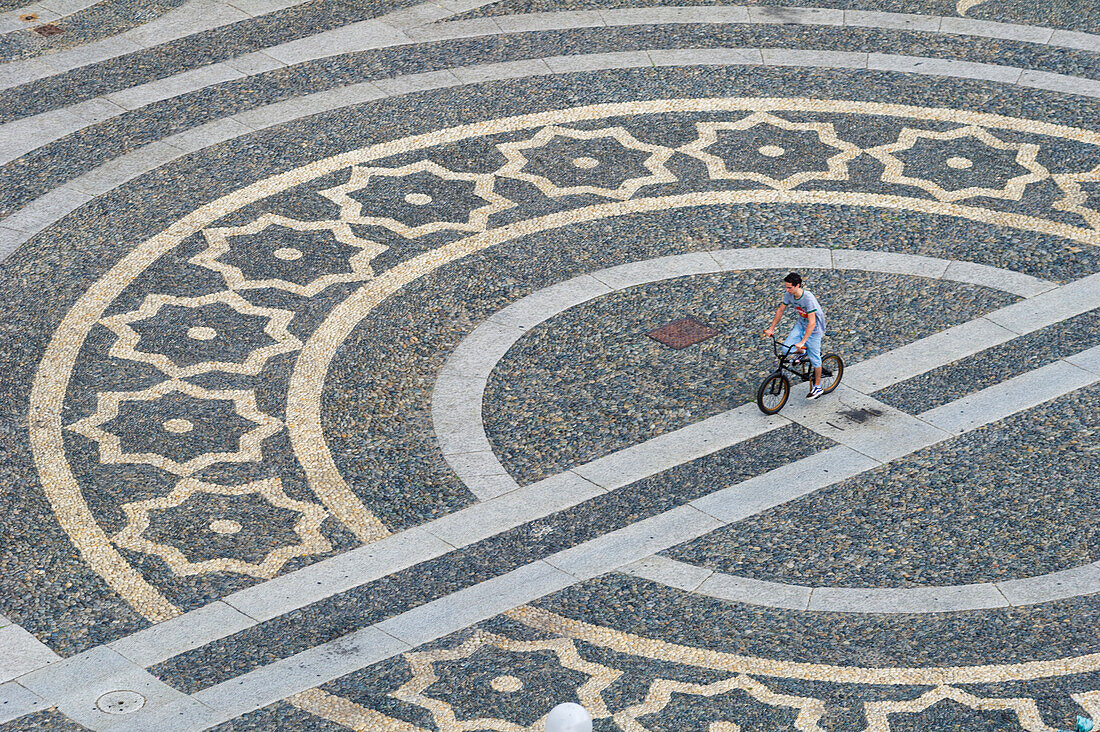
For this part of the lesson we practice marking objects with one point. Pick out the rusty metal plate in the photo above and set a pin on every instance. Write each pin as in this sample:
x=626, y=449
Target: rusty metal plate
x=683, y=333
x=48, y=30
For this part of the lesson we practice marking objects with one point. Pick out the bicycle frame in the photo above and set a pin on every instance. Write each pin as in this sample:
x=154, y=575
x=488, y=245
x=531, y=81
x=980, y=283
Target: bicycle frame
x=805, y=375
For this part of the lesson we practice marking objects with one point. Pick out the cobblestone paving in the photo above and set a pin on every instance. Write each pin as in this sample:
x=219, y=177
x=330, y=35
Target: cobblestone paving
x=329, y=400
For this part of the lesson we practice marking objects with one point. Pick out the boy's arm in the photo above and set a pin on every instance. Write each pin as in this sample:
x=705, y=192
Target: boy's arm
x=812, y=318
x=775, y=321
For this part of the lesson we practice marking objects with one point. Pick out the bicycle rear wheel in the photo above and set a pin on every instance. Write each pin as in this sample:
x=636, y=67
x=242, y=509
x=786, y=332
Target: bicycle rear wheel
x=832, y=369
x=773, y=393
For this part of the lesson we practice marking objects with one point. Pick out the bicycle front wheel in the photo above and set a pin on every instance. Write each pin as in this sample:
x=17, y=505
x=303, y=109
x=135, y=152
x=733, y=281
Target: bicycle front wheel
x=773, y=393
x=832, y=368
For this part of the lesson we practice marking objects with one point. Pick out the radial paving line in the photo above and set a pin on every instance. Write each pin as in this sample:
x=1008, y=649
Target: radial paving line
x=433, y=620
x=51, y=207
x=396, y=28
x=955, y=598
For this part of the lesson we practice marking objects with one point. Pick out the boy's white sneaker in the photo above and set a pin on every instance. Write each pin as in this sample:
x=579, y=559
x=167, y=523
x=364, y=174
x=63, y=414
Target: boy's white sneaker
x=815, y=392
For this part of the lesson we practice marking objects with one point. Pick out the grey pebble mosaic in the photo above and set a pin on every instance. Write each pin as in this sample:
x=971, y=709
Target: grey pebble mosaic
x=938, y=517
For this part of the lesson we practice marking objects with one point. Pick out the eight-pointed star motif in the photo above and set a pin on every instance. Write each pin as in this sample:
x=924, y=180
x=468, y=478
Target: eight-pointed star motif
x=660, y=693
x=424, y=675
x=1075, y=199
x=1012, y=190
x=477, y=219
x=836, y=164
x=293, y=268
x=307, y=527
x=196, y=340
x=1026, y=710
x=177, y=423
x=654, y=163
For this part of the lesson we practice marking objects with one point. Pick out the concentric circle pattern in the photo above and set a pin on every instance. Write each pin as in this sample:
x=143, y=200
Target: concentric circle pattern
x=397, y=371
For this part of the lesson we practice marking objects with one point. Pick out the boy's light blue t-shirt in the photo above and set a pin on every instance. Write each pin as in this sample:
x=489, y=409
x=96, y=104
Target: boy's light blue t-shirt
x=804, y=306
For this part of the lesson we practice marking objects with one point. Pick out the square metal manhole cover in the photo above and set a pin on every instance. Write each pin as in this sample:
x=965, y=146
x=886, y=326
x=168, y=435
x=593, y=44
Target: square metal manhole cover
x=683, y=333
x=48, y=30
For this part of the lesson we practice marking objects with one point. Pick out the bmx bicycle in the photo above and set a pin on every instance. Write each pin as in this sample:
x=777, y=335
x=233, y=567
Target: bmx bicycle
x=776, y=387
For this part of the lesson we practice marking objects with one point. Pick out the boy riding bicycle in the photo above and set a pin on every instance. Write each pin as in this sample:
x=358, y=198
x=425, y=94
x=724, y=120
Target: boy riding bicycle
x=809, y=327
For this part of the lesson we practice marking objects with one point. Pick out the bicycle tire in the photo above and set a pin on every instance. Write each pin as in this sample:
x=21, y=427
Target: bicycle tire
x=835, y=364
x=776, y=385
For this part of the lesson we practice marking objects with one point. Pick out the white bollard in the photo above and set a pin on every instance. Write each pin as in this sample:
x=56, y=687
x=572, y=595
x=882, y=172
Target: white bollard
x=568, y=717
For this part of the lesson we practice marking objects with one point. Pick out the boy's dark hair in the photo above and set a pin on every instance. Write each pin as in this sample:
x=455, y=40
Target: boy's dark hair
x=794, y=278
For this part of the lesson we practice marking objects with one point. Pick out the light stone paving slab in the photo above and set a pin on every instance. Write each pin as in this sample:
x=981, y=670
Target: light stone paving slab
x=17, y=701
x=124, y=168
x=21, y=653
x=1008, y=397
x=906, y=601
x=1048, y=308
x=783, y=484
x=1059, y=83
x=898, y=21
x=669, y=572
x=454, y=30
x=890, y=262
x=139, y=96
x=417, y=82
x=208, y=135
x=192, y=629
x=505, y=70
x=1054, y=586
x=182, y=21
x=991, y=29
x=1075, y=39
x=623, y=276
x=599, y=62
x=507, y=511
x=795, y=15
x=474, y=604
x=866, y=425
x=754, y=592
x=529, y=311
x=641, y=538
x=10, y=19
x=825, y=59
x=1088, y=360
x=948, y=67
x=993, y=277
x=318, y=665
x=706, y=57
x=676, y=448
x=74, y=684
x=273, y=114
x=548, y=21
x=174, y=715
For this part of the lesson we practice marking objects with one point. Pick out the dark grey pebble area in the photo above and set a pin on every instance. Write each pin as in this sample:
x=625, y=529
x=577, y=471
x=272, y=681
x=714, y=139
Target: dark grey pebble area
x=1080, y=15
x=1010, y=500
x=50, y=720
x=590, y=381
x=336, y=616
x=994, y=365
x=104, y=19
x=1054, y=630
x=44, y=168
x=43, y=278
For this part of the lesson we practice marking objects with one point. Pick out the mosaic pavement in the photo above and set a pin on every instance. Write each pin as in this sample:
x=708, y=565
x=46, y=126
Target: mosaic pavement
x=328, y=400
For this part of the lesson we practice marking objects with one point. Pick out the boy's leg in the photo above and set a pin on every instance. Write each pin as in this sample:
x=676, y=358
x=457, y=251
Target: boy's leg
x=795, y=335
x=813, y=350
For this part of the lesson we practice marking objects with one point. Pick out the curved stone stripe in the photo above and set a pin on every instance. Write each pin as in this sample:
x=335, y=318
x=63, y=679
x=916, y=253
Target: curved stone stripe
x=1073, y=582
x=303, y=407
x=46, y=210
x=460, y=387
x=402, y=27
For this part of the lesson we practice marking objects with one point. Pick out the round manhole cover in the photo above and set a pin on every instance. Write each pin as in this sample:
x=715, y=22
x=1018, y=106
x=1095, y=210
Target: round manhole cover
x=120, y=702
